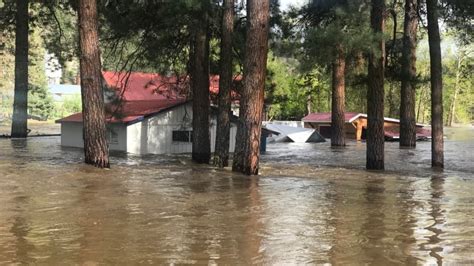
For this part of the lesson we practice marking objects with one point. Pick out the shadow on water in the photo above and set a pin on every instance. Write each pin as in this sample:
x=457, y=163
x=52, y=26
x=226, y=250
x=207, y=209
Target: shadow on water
x=311, y=205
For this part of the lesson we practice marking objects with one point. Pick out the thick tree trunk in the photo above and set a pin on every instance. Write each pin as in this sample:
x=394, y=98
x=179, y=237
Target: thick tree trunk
x=375, y=93
x=434, y=40
x=95, y=141
x=200, y=88
x=408, y=90
x=338, y=98
x=247, y=153
x=20, y=103
x=221, y=156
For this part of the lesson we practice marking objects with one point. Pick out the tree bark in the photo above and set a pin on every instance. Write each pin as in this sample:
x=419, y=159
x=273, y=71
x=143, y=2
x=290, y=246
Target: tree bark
x=375, y=93
x=338, y=98
x=434, y=40
x=200, y=88
x=221, y=157
x=247, y=153
x=93, y=112
x=408, y=90
x=20, y=102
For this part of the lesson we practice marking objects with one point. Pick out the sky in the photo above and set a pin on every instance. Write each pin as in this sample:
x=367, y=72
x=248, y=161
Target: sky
x=284, y=4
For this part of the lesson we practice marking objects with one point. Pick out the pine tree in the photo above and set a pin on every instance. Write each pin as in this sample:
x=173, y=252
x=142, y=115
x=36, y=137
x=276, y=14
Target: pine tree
x=20, y=104
x=247, y=151
x=408, y=90
x=93, y=112
x=434, y=40
x=375, y=93
x=221, y=157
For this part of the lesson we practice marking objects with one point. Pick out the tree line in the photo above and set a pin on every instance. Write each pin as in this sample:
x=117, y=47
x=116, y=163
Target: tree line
x=347, y=39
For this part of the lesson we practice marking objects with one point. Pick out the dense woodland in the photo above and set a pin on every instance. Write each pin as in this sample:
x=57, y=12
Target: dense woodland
x=406, y=59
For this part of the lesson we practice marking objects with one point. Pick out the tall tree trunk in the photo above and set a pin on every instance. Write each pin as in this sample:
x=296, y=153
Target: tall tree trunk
x=221, y=157
x=200, y=88
x=338, y=98
x=434, y=40
x=375, y=92
x=452, y=109
x=93, y=112
x=309, y=103
x=408, y=90
x=20, y=103
x=247, y=154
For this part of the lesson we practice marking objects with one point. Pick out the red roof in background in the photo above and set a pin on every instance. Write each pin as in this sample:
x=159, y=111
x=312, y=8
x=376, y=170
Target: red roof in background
x=394, y=132
x=326, y=117
x=130, y=111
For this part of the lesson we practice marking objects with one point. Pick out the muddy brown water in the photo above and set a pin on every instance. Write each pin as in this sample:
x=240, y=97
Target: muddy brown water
x=310, y=205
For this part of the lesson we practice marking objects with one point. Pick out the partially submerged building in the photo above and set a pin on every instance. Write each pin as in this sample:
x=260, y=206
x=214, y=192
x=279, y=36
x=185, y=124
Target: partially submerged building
x=145, y=114
x=356, y=126
x=293, y=134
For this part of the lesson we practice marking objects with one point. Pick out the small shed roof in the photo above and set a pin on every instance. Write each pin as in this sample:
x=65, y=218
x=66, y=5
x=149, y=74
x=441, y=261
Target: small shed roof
x=326, y=117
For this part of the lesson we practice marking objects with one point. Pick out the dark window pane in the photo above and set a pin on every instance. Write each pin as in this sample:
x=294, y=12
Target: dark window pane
x=182, y=135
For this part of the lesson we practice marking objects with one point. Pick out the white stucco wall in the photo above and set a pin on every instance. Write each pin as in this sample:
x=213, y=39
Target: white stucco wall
x=155, y=134
x=152, y=135
x=71, y=136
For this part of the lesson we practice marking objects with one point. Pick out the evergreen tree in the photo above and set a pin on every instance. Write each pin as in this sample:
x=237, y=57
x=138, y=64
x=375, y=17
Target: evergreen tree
x=93, y=112
x=375, y=93
x=408, y=90
x=247, y=150
x=199, y=65
x=221, y=157
x=20, y=104
x=437, y=142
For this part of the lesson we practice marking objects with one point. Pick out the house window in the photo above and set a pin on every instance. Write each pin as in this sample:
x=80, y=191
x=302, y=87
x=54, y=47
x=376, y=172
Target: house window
x=182, y=135
x=112, y=136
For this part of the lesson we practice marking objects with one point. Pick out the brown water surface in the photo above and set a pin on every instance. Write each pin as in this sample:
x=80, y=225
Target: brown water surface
x=311, y=205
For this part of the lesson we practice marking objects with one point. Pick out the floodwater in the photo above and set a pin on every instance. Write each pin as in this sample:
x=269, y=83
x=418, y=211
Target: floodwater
x=310, y=205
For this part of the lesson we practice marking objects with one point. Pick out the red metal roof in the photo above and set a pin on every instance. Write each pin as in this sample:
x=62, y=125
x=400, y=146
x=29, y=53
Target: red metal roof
x=137, y=86
x=144, y=94
x=131, y=111
x=326, y=117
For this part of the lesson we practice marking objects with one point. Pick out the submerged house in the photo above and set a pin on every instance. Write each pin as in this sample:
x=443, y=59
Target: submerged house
x=145, y=114
x=356, y=126
x=287, y=133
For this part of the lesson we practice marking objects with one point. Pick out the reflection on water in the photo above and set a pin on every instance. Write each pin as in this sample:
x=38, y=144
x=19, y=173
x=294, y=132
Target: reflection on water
x=302, y=209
